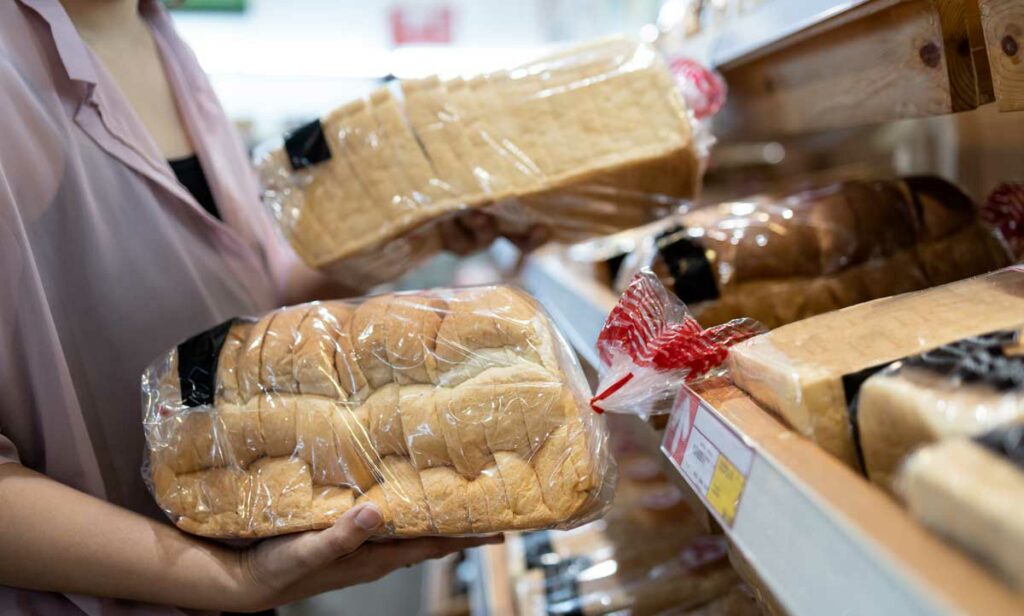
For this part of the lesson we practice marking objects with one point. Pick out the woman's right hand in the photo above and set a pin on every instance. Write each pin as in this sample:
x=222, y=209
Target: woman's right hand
x=285, y=569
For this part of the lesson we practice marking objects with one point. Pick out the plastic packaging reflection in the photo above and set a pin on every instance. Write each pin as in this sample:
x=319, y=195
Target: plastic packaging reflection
x=455, y=412
x=779, y=259
x=589, y=141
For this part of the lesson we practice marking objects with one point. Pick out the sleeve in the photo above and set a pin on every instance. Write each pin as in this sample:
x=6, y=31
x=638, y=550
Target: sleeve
x=10, y=267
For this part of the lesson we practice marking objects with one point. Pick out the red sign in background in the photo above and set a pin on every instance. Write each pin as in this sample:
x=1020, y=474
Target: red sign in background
x=414, y=25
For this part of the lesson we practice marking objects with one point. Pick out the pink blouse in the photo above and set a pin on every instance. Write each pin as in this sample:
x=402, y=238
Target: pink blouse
x=106, y=260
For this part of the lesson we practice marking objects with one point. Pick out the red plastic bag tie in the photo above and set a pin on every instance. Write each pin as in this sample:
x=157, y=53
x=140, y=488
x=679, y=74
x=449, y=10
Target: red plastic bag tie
x=656, y=331
x=611, y=389
x=1004, y=210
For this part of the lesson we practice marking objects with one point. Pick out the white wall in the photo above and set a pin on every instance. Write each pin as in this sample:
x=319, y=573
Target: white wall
x=284, y=61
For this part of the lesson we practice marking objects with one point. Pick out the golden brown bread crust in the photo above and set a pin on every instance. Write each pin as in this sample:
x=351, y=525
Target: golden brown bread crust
x=455, y=415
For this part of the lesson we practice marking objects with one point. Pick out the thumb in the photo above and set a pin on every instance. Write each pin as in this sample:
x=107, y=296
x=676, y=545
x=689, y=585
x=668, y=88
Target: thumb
x=316, y=549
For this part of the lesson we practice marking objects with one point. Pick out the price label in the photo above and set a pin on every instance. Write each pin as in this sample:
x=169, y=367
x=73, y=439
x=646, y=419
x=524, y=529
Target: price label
x=712, y=458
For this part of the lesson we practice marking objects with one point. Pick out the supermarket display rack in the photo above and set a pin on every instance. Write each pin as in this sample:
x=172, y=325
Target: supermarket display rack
x=816, y=537
x=800, y=65
x=820, y=537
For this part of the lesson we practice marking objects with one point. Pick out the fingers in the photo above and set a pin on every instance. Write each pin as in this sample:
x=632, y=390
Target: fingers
x=316, y=549
x=373, y=561
x=383, y=558
x=468, y=233
x=533, y=239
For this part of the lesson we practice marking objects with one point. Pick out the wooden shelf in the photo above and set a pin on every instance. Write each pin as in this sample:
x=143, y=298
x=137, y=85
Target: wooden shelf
x=1003, y=25
x=796, y=66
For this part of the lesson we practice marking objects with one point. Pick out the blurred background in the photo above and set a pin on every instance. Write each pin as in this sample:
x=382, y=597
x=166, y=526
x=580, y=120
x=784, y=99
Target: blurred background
x=277, y=64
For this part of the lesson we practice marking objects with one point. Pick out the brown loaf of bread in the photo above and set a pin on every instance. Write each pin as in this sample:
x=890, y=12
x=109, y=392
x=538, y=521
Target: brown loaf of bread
x=782, y=259
x=384, y=172
x=456, y=412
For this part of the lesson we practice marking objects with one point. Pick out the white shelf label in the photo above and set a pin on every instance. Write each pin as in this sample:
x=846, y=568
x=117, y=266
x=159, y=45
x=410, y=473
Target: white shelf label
x=712, y=458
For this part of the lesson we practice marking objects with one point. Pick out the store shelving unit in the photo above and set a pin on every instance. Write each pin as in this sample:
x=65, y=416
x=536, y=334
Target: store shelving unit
x=820, y=537
x=801, y=65
x=491, y=594
x=814, y=535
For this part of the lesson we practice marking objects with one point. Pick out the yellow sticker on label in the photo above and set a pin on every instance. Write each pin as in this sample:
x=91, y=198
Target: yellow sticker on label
x=725, y=489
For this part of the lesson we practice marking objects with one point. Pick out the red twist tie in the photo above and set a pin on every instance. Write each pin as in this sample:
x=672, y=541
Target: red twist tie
x=656, y=331
x=1004, y=210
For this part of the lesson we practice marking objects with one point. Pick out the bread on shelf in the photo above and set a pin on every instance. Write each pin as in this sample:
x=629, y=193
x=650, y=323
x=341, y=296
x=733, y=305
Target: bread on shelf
x=809, y=371
x=779, y=259
x=972, y=491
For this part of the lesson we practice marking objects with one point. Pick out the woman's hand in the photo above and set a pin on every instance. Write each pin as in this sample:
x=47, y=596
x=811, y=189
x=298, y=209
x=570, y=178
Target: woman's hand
x=108, y=551
x=474, y=231
x=285, y=569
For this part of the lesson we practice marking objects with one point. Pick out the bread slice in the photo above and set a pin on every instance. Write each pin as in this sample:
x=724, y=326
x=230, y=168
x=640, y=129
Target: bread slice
x=974, y=497
x=227, y=362
x=901, y=411
x=421, y=425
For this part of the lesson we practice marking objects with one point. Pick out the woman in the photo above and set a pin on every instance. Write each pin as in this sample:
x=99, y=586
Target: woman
x=115, y=243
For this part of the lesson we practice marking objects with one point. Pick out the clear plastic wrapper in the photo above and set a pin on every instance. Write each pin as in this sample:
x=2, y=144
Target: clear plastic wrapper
x=960, y=389
x=588, y=141
x=779, y=259
x=811, y=372
x=972, y=492
x=456, y=412
x=651, y=345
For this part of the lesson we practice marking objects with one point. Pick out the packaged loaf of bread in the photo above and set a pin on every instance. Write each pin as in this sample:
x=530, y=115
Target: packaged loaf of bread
x=810, y=371
x=972, y=491
x=779, y=259
x=455, y=412
x=587, y=141
x=960, y=389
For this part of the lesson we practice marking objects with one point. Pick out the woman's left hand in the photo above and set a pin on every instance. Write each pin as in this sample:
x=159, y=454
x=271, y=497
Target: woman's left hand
x=475, y=231
x=471, y=232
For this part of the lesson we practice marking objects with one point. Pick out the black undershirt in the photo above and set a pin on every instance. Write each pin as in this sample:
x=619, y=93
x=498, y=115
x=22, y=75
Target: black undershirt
x=190, y=173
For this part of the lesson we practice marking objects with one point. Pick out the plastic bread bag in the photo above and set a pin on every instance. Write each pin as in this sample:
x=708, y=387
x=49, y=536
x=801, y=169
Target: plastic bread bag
x=689, y=577
x=971, y=491
x=960, y=389
x=587, y=141
x=650, y=346
x=779, y=259
x=456, y=412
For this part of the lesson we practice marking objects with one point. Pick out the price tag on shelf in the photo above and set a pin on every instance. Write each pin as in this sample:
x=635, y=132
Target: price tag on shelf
x=712, y=458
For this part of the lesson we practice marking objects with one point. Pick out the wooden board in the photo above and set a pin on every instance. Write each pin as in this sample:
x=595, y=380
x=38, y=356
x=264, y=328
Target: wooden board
x=969, y=82
x=1003, y=24
x=909, y=59
x=979, y=53
x=865, y=507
